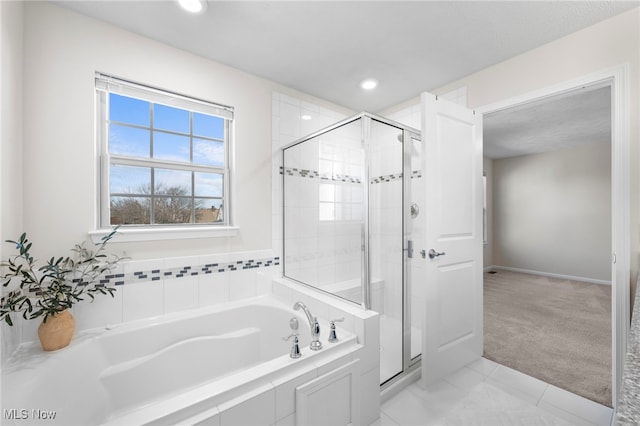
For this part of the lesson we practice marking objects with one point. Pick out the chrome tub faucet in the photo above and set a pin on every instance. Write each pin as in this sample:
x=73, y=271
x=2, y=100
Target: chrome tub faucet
x=315, y=344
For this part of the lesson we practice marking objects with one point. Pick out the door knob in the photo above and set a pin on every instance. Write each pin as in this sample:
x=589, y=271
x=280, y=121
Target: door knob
x=433, y=254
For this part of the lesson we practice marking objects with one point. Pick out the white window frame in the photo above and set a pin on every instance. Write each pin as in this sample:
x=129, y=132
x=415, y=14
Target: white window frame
x=104, y=85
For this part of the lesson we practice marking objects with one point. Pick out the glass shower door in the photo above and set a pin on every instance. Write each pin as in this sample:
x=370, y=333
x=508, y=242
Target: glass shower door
x=387, y=242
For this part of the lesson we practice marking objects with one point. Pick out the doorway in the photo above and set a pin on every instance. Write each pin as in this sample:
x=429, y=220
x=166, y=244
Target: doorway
x=615, y=79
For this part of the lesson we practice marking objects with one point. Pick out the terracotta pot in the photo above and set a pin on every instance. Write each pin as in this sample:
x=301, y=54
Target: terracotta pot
x=57, y=331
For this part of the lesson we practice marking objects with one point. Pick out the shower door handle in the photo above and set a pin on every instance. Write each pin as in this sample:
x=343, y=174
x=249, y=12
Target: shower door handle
x=433, y=254
x=409, y=249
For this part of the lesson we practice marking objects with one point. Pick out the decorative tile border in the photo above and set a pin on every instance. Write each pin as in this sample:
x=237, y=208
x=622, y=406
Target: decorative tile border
x=289, y=171
x=189, y=271
x=174, y=273
x=395, y=176
x=313, y=174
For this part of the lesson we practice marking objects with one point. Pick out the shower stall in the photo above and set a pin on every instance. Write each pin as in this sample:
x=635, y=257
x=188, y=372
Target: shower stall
x=352, y=197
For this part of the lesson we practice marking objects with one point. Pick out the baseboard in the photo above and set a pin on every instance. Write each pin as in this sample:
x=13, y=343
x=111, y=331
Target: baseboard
x=546, y=274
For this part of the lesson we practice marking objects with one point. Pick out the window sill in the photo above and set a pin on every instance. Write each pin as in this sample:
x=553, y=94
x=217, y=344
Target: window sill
x=165, y=233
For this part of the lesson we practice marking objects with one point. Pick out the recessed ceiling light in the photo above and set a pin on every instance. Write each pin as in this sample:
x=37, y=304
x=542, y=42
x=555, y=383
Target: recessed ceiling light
x=193, y=6
x=306, y=117
x=369, y=83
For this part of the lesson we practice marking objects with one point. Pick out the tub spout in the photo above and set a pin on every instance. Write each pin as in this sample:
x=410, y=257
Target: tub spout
x=315, y=344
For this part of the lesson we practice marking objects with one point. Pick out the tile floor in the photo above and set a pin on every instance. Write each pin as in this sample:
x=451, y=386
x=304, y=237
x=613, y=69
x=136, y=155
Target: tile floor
x=487, y=393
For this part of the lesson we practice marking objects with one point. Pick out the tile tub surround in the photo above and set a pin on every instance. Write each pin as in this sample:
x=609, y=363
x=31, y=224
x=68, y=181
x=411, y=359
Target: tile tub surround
x=365, y=324
x=628, y=409
x=156, y=287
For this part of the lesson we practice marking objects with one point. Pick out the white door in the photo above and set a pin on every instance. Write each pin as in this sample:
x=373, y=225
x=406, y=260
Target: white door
x=452, y=168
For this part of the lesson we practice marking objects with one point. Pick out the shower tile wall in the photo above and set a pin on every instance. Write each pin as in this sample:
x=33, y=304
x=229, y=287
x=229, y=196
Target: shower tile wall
x=323, y=208
x=319, y=247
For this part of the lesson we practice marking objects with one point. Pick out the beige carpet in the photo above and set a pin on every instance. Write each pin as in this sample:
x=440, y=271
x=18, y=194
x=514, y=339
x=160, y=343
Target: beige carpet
x=556, y=330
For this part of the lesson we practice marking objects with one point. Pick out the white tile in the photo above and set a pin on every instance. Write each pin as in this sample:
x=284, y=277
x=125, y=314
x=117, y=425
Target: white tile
x=28, y=329
x=242, y=284
x=484, y=366
x=213, y=289
x=370, y=396
x=420, y=406
x=489, y=405
x=326, y=367
x=142, y=300
x=569, y=418
x=465, y=378
x=290, y=120
x=576, y=405
x=510, y=380
x=103, y=311
x=386, y=421
x=264, y=281
x=180, y=294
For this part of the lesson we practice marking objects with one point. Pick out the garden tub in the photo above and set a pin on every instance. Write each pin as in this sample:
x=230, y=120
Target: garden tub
x=181, y=368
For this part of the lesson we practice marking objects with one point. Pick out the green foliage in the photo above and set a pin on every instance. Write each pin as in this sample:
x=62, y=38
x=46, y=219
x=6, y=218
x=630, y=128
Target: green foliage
x=59, y=283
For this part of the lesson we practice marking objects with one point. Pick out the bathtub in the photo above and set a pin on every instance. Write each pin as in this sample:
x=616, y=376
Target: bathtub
x=188, y=368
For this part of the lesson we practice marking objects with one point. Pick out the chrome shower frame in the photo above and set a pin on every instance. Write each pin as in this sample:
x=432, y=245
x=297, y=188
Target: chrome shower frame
x=408, y=134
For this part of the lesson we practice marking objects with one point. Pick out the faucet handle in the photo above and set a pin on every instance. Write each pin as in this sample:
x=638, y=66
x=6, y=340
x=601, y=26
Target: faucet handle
x=295, y=335
x=295, y=348
x=332, y=332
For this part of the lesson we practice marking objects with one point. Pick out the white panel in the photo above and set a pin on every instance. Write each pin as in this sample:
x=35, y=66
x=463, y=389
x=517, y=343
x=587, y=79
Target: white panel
x=456, y=192
x=455, y=310
x=331, y=399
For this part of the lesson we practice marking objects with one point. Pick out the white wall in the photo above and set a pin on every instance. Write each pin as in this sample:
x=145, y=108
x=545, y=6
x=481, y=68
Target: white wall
x=11, y=139
x=552, y=212
x=11, y=123
x=62, y=51
x=606, y=44
x=49, y=59
x=601, y=46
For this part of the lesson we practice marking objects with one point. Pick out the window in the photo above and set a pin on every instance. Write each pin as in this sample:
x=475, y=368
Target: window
x=165, y=157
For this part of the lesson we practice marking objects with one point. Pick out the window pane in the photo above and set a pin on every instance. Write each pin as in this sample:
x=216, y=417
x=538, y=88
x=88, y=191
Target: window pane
x=129, y=141
x=129, y=179
x=208, y=125
x=208, y=153
x=172, y=182
x=167, y=146
x=128, y=110
x=208, y=211
x=172, y=209
x=208, y=185
x=169, y=118
x=130, y=210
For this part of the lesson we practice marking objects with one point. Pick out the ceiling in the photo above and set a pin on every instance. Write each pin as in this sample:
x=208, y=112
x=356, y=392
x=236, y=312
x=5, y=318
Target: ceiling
x=325, y=48
x=582, y=116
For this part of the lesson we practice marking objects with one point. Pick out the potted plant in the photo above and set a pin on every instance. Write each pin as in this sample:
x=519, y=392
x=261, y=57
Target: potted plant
x=48, y=290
